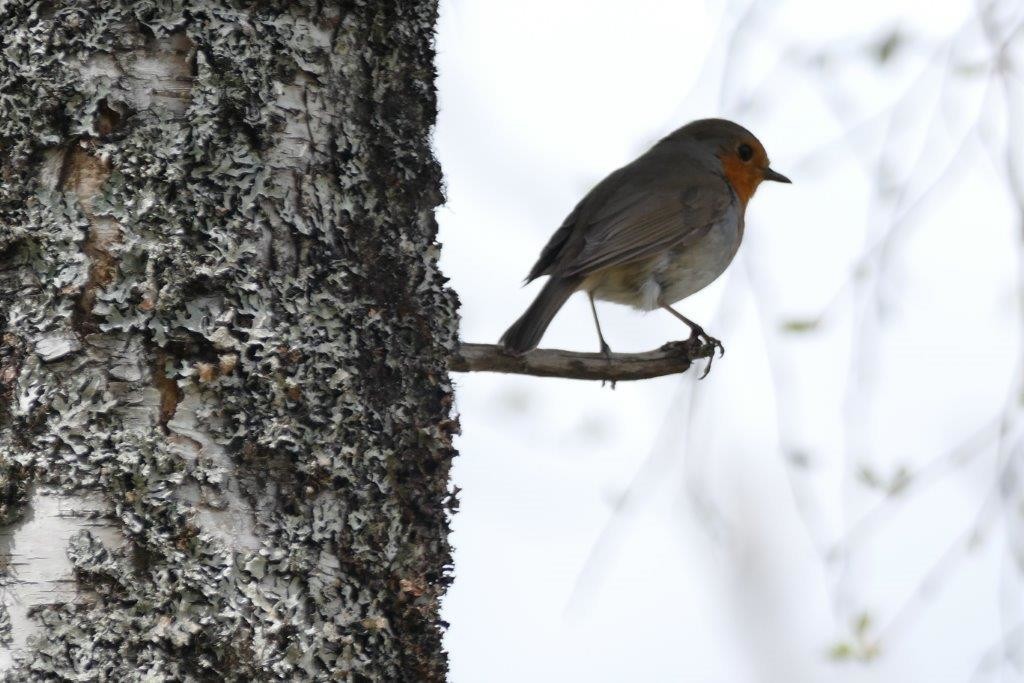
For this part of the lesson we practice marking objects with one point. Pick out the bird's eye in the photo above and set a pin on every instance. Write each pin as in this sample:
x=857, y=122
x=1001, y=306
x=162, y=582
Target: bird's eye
x=745, y=152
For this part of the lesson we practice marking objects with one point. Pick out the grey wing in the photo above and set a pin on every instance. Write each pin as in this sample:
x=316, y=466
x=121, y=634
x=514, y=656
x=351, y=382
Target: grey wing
x=564, y=242
x=633, y=224
x=549, y=255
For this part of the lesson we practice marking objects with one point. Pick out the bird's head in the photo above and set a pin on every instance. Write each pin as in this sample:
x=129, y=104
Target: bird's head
x=744, y=159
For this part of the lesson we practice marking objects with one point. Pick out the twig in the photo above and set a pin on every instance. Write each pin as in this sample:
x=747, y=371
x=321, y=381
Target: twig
x=672, y=358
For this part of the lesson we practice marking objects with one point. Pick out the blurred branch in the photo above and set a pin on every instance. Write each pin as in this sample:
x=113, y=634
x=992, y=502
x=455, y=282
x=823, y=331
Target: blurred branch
x=672, y=358
x=961, y=455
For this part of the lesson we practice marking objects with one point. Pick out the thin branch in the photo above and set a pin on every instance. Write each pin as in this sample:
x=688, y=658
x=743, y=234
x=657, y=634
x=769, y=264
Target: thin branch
x=672, y=358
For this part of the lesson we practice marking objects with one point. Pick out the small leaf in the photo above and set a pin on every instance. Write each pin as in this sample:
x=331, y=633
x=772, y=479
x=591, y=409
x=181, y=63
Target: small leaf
x=862, y=624
x=970, y=68
x=887, y=47
x=796, y=325
x=799, y=459
x=869, y=477
x=840, y=652
x=900, y=480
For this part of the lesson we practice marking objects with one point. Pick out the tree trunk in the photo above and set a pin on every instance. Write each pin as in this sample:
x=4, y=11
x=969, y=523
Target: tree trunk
x=225, y=426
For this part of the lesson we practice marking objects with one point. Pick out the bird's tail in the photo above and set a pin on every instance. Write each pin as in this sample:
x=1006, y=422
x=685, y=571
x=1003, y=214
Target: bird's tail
x=526, y=332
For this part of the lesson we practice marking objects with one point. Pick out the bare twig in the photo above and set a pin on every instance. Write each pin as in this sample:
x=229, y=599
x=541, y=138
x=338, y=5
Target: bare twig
x=672, y=358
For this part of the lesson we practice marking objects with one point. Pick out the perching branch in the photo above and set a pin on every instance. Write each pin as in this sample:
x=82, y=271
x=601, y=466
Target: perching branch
x=671, y=358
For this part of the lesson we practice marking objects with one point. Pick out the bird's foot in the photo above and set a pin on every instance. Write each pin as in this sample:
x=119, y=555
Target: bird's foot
x=705, y=341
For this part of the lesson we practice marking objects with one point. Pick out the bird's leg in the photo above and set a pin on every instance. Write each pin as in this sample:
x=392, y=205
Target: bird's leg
x=696, y=331
x=605, y=349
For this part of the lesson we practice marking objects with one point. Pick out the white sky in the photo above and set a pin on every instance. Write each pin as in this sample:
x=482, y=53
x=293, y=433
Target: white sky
x=726, y=562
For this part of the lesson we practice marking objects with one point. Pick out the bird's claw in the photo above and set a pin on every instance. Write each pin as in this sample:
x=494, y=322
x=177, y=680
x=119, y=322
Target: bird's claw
x=705, y=340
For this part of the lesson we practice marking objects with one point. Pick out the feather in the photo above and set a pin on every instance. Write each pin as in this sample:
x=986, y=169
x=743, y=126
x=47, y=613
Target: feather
x=645, y=222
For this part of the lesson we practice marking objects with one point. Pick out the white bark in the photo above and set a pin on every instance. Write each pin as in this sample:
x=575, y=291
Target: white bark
x=37, y=569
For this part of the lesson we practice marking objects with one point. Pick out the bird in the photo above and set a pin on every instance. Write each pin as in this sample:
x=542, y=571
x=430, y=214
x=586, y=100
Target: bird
x=653, y=232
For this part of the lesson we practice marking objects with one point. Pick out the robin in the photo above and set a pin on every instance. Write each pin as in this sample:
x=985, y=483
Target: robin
x=654, y=231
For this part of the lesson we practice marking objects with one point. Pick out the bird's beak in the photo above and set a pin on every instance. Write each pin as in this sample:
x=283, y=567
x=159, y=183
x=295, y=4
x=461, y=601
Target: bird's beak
x=769, y=174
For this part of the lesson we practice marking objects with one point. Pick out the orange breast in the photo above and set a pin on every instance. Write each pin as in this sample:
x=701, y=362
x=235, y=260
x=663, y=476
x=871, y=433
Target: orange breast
x=744, y=178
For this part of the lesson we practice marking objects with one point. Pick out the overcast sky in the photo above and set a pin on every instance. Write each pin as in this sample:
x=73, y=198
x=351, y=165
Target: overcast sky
x=738, y=528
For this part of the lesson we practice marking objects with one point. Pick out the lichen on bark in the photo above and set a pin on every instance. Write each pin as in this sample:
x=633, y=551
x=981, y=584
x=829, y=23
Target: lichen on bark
x=221, y=312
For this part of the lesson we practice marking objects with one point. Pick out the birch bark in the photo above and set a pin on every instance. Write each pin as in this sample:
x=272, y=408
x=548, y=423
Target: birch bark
x=225, y=415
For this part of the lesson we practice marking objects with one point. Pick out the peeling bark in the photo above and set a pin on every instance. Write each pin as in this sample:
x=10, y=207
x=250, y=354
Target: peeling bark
x=223, y=343
x=85, y=175
x=167, y=387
